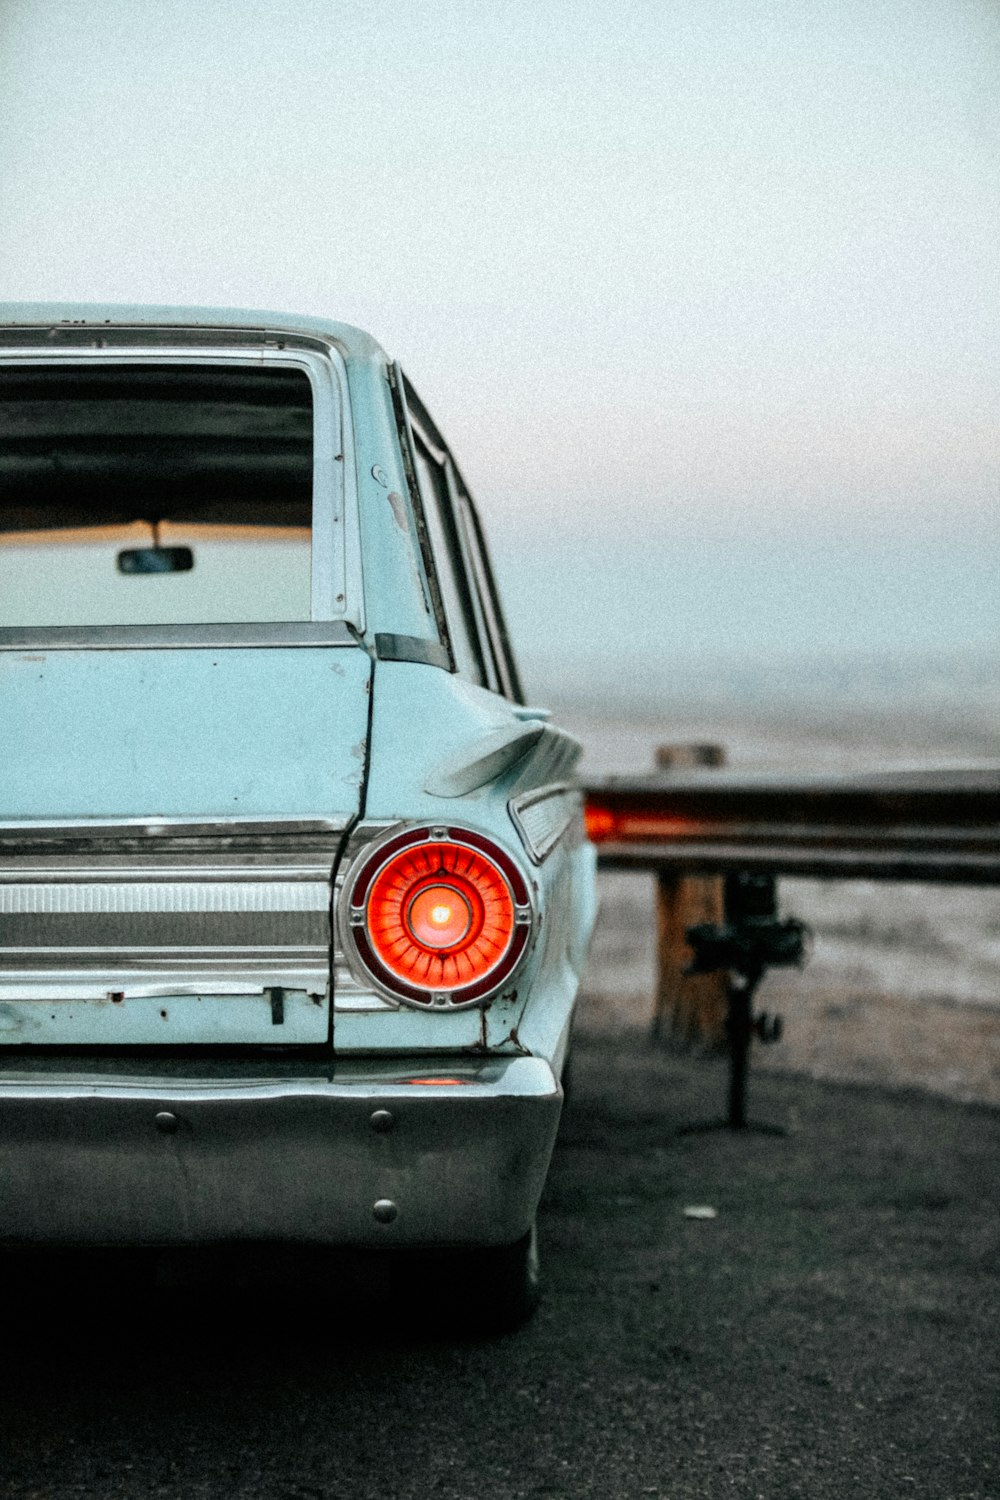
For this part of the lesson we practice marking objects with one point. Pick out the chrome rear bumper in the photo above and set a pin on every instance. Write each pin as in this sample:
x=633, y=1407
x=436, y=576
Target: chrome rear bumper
x=367, y=1153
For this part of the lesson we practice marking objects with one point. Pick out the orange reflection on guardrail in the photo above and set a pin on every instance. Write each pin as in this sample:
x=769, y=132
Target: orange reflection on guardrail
x=607, y=825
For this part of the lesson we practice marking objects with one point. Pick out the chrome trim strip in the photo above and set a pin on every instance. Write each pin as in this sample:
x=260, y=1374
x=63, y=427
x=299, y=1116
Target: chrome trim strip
x=106, y=875
x=47, y=985
x=153, y=955
x=179, y=956
x=288, y=634
x=153, y=827
x=89, y=912
x=78, y=898
x=493, y=1078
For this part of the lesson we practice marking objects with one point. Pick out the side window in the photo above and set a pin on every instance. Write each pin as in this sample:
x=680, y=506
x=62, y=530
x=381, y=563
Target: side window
x=485, y=624
x=503, y=672
x=457, y=596
x=465, y=580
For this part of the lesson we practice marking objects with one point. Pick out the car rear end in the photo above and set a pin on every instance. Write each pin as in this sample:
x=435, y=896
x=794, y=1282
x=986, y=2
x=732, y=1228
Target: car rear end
x=265, y=971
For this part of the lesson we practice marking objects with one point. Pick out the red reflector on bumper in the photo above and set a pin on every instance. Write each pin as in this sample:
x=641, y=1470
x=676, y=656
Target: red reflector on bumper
x=437, y=1082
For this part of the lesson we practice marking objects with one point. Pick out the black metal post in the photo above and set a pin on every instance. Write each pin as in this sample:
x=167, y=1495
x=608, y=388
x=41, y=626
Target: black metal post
x=739, y=1025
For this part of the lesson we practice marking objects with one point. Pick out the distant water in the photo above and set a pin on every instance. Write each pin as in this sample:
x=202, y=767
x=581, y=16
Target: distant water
x=796, y=644
x=807, y=712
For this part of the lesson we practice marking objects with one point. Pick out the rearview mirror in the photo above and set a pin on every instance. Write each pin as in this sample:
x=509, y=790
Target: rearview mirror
x=156, y=560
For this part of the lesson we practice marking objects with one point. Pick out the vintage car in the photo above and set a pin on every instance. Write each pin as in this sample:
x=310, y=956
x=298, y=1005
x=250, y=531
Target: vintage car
x=294, y=889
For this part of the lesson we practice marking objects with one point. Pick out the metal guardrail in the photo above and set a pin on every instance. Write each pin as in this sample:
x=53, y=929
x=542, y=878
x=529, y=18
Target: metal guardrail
x=937, y=825
x=717, y=840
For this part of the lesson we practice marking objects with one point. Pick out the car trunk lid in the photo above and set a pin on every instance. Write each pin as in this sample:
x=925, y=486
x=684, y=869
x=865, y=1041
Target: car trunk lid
x=171, y=822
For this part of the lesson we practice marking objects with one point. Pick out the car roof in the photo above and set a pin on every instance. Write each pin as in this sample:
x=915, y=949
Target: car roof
x=354, y=342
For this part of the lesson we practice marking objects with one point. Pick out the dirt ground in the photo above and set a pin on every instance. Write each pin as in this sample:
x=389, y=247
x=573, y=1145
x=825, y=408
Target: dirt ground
x=847, y=1036
x=897, y=992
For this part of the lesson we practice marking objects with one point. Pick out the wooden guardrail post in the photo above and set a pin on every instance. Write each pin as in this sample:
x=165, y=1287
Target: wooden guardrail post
x=690, y=1009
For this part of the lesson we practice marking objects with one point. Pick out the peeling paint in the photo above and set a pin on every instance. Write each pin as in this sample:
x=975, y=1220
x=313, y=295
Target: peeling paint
x=399, y=512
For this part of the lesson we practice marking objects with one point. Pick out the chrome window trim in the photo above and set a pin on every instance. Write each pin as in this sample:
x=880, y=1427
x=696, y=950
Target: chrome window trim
x=506, y=664
x=392, y=647
x=408, y=448
x=462, y=600
x=337, y=592
x=417, y=419
x=153, y=834
x=492, y=676
x=476, y=569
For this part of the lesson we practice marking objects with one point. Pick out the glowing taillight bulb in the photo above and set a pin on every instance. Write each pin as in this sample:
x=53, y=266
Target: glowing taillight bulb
x=438, y=916
x=439, y=919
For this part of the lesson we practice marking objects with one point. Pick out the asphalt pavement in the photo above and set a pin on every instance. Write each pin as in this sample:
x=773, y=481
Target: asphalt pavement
x=830, y=1332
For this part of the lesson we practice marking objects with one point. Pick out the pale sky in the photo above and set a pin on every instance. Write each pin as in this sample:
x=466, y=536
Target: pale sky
x=701, y=280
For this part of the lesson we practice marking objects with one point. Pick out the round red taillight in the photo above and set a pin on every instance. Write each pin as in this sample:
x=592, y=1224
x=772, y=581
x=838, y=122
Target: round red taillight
x=439, y=916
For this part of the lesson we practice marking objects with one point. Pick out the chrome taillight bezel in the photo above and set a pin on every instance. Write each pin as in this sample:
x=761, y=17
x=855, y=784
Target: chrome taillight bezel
x=352, y=919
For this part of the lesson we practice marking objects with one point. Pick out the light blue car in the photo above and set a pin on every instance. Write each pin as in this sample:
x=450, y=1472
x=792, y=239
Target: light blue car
x=294, y=890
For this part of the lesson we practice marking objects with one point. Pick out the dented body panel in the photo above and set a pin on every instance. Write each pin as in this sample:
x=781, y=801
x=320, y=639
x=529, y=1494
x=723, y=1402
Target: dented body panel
x=195, y=1037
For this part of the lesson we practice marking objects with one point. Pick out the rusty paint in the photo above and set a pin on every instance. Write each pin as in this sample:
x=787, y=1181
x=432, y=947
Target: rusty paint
x=515, y=1041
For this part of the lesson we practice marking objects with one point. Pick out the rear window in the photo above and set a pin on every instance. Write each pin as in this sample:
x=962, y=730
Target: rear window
x=154, y=494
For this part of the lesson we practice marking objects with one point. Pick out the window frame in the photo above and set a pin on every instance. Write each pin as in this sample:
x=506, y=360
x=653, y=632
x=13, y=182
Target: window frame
x=485, y=614
x=481, y=567
x=462, y=595
x=336, y=592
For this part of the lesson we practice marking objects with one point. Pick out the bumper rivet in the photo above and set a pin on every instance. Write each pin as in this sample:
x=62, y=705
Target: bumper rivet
x=167, y=1122
x=385, y=1211
x=382, y=1120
